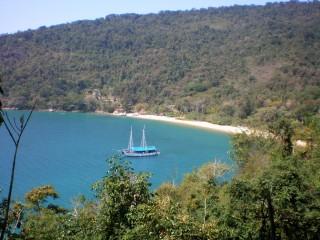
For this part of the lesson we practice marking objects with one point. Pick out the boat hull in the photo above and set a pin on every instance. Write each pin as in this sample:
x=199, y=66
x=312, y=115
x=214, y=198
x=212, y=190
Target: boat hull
x=139, y=154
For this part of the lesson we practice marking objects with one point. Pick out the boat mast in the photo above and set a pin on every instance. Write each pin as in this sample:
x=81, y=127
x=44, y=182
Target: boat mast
x=130, y=145
x=143, y=140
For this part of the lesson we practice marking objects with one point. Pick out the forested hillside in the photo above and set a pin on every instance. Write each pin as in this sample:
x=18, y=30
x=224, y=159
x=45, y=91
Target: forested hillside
x=219, y=64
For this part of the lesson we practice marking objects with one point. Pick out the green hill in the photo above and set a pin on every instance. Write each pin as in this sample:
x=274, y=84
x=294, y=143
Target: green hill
x=228, y=64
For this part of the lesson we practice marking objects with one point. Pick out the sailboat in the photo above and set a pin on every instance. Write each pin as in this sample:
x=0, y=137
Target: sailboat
x=143, y=150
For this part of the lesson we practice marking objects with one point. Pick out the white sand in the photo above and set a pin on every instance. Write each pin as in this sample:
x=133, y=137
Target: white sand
x=201, y=124
x=210, y=126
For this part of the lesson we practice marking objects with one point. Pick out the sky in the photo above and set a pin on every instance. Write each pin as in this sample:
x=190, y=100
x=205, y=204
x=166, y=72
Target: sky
x=20, y=15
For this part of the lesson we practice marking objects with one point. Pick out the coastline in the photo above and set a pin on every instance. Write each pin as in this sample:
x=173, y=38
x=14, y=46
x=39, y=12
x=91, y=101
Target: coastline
x=199, y=124
x=232, y=130
x=193, y=123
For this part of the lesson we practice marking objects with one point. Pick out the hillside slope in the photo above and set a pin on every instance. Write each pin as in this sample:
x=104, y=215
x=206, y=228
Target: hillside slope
x=218, y=64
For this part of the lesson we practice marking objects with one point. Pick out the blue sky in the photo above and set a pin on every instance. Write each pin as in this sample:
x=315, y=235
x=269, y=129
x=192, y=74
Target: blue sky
x=19, y=15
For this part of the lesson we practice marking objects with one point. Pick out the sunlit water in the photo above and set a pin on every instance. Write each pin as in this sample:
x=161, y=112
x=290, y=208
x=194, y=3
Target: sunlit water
x=69, y=151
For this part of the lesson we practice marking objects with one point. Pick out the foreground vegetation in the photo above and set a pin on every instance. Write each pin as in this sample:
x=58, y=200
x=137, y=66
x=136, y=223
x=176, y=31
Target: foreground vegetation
x=224, y=65
x=275, y=195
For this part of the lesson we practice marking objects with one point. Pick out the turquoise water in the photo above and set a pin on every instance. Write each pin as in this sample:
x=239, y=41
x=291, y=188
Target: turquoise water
x=69, y=151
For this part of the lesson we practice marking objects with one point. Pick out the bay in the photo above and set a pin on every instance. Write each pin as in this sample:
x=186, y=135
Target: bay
x=69, y=151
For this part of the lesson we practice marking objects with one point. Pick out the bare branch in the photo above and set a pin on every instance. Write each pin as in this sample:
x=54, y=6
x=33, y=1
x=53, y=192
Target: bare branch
x=16, y=125
x=10, y=123
x=10, y=132
x=28, y=118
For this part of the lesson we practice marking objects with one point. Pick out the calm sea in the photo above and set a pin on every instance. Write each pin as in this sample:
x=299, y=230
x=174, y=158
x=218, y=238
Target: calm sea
x=69, y=151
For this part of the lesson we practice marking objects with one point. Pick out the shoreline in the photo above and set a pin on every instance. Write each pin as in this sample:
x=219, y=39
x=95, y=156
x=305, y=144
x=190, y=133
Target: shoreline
x=228, y=129
x=193, y=123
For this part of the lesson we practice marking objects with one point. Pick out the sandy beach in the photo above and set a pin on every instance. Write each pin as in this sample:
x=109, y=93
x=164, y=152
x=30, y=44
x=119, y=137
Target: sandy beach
x=200, y=124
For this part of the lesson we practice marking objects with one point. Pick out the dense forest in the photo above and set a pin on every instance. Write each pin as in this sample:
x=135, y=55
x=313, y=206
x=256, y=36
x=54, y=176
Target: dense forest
x=224, y=65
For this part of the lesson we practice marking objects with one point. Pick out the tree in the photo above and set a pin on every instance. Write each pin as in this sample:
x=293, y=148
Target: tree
x=43, y=221
x=38, y=196
x=119, y=192
x=283, y=129
x=15, y=131
x=187, y=211
x=278, y=202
